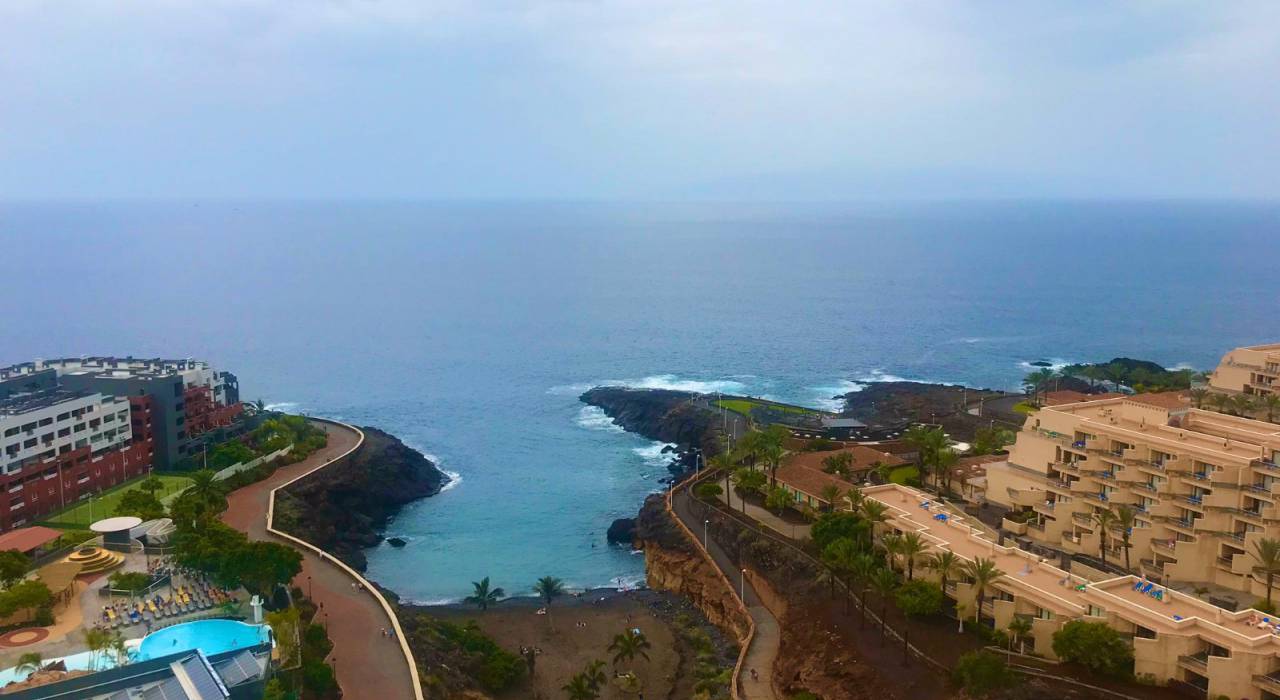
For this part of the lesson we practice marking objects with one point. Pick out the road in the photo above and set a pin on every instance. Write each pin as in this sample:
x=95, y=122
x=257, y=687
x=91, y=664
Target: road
x=368, y=664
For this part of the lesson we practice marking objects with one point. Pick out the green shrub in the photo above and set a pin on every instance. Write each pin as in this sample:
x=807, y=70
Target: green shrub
x=821, y=445
x=1264, y=607
x=708, y=491
x=830, y=527
x=981, y=673
x=317, y=678
x=1095, y=646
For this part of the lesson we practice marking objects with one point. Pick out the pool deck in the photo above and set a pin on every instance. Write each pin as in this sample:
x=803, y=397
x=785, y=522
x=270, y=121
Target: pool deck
x=368, y=664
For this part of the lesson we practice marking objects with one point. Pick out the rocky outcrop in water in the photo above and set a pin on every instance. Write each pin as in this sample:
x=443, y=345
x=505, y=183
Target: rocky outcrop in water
x=345, y=507
x=680, y=417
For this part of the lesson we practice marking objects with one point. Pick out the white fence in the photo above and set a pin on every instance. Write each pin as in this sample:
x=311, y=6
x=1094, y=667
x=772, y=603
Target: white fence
x=236, y=468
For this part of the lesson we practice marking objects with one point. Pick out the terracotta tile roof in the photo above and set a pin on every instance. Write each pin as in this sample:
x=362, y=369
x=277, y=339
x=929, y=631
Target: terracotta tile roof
x=863, y=458
x=27, y=538
x=810, y=481
x=1171, y=400
x=1057, y=398
x=974, y=467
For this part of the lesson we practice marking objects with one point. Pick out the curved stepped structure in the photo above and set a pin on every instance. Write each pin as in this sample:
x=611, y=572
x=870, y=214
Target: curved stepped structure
x=94, y=560
x=158, y=531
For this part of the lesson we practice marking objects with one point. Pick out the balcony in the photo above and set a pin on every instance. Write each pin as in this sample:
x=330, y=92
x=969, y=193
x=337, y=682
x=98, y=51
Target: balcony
x=1165, y=545
x=1082, y=519
x=1269, y=682
x=1198, y=663
x=1224, y=562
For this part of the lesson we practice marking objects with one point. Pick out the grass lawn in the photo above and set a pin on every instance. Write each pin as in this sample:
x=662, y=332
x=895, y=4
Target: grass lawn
x=903, y=474
x=80, y=515
x=1024, y=408
x=744, y=406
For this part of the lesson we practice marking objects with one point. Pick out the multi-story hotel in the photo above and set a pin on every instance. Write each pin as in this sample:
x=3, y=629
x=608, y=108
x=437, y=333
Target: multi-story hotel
x=1254, y=370
x=1201, y=484
x=188, y=398
x=1177, y=638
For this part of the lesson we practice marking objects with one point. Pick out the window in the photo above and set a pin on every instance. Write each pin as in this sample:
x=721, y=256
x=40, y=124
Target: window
x=29, y=443
x=11, y=432
x=46, y=421
x=63, y=416
x=63, y=432
x=79, y=427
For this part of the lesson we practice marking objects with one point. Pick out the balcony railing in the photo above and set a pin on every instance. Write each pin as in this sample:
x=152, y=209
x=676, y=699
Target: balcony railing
x=1269, y=682
x=1199, y=661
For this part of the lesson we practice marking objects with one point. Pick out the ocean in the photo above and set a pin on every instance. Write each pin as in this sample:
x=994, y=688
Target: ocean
x=470, y=329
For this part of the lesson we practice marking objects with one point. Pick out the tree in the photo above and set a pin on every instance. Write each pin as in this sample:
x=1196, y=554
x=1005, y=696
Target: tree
x=917, y=599
x=862, y=570
x=1267, y=552
x=132, y=581
x=594, y=673
x=944, y=462
x=96, y=639
x=1104, y=520
x=830, y=527
x=748, y=481
x=892, y=543
x=1125, y=520
x=984, y=574
x=548, y=589
x=927, y=441
x=25, y=595
x=152, y=484
x=205, y=486
x=911, y=547
x=13, y=566
x=884, y=583
x=579, y=688
x=1019, y=627
x=141, y=504
x=778, y=499
x=840, y=556
x=275, y=690
x=29, y=662
x=838, y=463
x=1218, y=401
x=831, y=495
x=1095, y=646
x=981, y=673
x=1270, y=403
x=483, y=596
x=725, y=462
x=946, y=564
x=855, y=499
x=772, y=449
x=285, y=625
x=1244, y=405
x=629, y=644
x=991, y=439
x=708, y=491
x=874, y=512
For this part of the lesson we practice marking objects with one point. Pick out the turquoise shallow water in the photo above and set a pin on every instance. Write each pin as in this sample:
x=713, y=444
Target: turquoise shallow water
x=469, y=330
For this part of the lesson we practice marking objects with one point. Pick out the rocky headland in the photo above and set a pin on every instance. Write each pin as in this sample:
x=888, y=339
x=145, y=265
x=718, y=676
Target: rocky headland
x=682, y=418
x=345, y=507
x=895, y=405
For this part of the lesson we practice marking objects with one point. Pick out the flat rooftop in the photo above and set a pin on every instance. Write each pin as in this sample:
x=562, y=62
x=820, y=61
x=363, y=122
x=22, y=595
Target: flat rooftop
x=1239, y=439
x=19, y=404
x=1055, y=589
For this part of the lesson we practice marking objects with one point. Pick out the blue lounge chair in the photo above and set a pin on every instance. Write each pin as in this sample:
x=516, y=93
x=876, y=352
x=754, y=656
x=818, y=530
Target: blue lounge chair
x=1147, y=588
x=1137, y=584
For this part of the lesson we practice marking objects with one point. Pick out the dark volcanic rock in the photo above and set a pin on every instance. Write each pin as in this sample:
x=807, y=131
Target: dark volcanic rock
x=622, y=531
x=895, y=405
x=678, y=417
x=396, y=541
x=345, y=507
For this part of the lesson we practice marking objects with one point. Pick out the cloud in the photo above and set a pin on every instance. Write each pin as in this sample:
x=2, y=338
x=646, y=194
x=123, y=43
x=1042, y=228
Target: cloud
x=635, y=99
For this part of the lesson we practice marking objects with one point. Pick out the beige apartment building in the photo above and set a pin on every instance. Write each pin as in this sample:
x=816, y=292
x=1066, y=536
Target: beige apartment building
x=1203, y=486
x=1254, y=370
x=1177, y=638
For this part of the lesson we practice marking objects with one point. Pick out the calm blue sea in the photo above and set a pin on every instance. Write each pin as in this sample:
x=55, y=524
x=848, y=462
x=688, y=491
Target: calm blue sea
x=470, y=329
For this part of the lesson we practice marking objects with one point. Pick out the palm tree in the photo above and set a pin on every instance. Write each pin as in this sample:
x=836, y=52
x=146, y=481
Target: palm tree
x=29, y=662
x=116, y=645
x=549, y=588
x=1125, y=520
x=838, y=463
x=928, y=442
x=1019, y=627
x=855, y=499
x=831, y=494
x=911, y=547
x=946, y=563
x=1103, y=519
x=579, y=688
x=874, y=512
x=772, y=449
x=884, y=583
x=1271, y=404
x=1267, y=551
x=984, y=573
x=1217, y=401
x=204, y=485
x=628, y=645
x=96, y=639
x=840, y=556
x=1116, y=372
x=725, y=463
x=594, y=674
x=861, y=571
x=826, y=575
x=1244, y=405
x=484, y=596
x=943, y=462
x=892, y=543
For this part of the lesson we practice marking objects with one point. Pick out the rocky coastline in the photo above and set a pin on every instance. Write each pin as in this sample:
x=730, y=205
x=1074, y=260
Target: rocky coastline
x=345, y=507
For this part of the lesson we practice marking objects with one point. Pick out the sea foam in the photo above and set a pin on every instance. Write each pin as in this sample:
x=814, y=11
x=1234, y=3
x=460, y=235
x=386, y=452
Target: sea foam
x=594, y=418
x=653, y=455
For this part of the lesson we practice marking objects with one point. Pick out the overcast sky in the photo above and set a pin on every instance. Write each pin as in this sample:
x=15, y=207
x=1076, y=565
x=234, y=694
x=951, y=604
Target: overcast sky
x=638, y=99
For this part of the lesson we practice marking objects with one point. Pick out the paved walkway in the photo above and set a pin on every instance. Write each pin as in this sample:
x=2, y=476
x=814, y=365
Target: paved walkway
x=764, y=645
x=368, y=665
x=767, y=517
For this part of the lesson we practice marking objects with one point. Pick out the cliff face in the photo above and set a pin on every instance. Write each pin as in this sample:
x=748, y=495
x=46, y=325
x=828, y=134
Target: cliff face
x=672, y=564
x=678, y=417
x=345, y=507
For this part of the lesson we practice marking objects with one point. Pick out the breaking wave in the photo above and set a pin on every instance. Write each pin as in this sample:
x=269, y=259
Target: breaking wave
x=594, y=418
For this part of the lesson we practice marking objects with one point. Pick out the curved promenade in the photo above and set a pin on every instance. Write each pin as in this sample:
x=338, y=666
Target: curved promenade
x=368, y=664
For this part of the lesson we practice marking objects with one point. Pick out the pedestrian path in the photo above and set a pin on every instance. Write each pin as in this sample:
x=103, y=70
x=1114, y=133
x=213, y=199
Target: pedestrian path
x=767, y=517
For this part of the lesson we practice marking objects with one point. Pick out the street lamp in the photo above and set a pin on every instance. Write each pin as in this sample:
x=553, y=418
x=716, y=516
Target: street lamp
x=742, y=587
x=705, y=523
x=309, y=587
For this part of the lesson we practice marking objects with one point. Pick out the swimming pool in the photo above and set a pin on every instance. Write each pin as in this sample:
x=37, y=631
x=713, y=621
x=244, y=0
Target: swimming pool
x=210, y=636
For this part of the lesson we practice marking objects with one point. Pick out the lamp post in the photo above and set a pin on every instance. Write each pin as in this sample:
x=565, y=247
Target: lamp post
x=705, y=523
x=742, y=587
x=309, y=587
